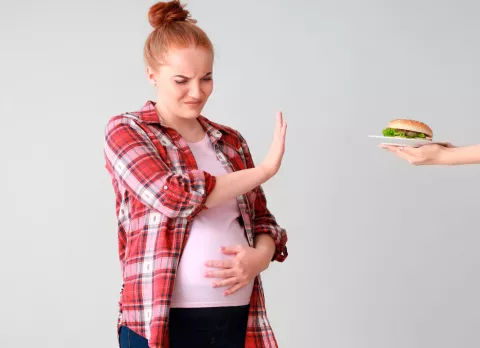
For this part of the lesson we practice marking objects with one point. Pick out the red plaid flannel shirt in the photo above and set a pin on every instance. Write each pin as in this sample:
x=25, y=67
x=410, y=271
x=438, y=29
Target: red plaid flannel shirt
x=158, y=191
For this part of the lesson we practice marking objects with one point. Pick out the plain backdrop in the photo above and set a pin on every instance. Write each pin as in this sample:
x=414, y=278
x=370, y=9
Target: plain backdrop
x=382, y=253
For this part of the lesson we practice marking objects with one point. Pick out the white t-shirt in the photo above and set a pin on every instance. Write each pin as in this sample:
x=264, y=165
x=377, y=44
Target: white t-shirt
x=212, y=228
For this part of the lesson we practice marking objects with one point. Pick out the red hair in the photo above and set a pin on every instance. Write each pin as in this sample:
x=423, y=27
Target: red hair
x=173, y=27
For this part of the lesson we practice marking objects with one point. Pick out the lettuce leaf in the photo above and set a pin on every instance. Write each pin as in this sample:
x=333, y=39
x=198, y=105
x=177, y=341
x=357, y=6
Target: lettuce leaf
x=392, y=132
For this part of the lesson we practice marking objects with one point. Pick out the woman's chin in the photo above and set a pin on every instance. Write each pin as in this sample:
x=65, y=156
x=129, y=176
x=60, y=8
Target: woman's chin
x=191, y=113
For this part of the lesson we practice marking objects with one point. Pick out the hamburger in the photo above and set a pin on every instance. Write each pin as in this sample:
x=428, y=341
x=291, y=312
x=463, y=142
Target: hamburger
x=411, y=129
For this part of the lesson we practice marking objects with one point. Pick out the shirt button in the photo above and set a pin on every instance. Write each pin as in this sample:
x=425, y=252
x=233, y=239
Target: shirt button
x=165, y=187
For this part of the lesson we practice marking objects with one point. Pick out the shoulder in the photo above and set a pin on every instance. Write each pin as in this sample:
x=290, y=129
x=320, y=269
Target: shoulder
x=126, y=121
x=138, y=119
x=124, y=118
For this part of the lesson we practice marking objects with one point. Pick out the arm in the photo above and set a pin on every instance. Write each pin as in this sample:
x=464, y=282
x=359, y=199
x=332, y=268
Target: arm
x=460, y=155
x=237, y=183
x=434, y=154
x=137, y=165
x=269, y=238
x=234, y=184
x=135, y=162
x=266, y=243
x=264, y=222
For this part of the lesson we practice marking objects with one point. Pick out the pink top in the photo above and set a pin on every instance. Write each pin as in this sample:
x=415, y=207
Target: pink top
x=211, y=229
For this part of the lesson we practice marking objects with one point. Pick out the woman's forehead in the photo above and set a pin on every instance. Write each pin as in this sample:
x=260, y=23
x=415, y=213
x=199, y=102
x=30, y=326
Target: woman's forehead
x=189, y=61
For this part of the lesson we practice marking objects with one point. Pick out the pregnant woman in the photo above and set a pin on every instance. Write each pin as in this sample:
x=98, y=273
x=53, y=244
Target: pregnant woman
x=194, y=229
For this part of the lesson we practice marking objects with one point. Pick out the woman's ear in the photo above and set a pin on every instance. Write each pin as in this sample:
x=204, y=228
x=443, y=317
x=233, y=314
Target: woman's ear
x=151, y=75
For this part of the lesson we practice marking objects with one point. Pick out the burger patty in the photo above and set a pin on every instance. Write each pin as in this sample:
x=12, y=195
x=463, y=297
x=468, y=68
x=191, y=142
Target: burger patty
x=411, y=133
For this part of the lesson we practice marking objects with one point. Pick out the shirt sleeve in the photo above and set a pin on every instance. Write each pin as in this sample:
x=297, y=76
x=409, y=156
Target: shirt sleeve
x=265, y=221
x=136, y=163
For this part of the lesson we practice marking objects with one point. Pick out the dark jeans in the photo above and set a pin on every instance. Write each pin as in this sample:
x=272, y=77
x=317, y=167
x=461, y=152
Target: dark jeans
x=219, y=327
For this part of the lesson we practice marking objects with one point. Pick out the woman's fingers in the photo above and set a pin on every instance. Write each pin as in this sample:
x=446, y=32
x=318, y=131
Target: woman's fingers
x=219, y=263
x=234, y=289
x=225, y=282
x=220, y=274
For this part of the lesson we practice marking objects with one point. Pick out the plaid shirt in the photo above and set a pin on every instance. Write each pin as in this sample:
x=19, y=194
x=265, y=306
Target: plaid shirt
x=158, y=191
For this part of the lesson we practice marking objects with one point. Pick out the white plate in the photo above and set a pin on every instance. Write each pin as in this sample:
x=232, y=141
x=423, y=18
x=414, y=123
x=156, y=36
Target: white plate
x=397, y=141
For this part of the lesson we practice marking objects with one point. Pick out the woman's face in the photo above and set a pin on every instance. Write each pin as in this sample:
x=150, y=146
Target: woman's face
x=184, y=81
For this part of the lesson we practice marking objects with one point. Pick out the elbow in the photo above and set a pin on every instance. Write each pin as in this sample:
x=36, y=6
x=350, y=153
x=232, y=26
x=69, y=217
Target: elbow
x=280, y=254
x=280, y=238
x=281, y=251
x=182, y=196
x=185, y=206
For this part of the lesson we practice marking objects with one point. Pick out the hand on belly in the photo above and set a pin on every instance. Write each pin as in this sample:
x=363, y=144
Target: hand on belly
x=239, y=270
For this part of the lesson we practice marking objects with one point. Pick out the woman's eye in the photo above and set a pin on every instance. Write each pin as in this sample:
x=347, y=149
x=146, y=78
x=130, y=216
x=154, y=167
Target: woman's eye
x=182, y=82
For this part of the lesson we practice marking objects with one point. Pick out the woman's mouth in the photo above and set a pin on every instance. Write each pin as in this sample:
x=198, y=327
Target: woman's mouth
x=193, y=103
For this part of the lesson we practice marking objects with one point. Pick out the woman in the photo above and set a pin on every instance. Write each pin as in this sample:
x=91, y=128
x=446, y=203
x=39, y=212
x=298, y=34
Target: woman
x=434, y=154
x=194, y=229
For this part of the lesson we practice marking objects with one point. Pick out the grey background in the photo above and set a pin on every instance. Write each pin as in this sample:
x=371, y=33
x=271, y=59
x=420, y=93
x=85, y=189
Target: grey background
x=382, y=254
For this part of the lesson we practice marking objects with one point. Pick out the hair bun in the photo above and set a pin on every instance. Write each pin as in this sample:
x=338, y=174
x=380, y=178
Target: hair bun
x=163, y=13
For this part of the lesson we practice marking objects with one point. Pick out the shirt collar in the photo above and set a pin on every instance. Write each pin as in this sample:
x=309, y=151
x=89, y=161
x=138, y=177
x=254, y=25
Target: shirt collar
x=149, y=114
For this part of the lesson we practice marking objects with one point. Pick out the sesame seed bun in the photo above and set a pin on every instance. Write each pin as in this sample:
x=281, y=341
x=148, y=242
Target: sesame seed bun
x=411, y=125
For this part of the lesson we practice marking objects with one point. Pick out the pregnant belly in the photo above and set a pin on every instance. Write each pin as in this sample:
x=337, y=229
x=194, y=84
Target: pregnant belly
x=192, y=288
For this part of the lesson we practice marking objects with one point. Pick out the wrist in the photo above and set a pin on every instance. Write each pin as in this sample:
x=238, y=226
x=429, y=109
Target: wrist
x=447, y=156
x=264, y=172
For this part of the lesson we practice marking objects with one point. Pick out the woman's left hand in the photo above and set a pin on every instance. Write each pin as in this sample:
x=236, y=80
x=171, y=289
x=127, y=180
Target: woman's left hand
x=239, y=271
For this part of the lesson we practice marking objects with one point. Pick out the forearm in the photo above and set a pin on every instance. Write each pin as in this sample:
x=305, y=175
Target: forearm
x=265, y=243
x=234, y=184
x=461, y=155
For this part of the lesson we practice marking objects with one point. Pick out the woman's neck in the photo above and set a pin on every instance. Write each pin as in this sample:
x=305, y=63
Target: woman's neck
x=190, y=129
